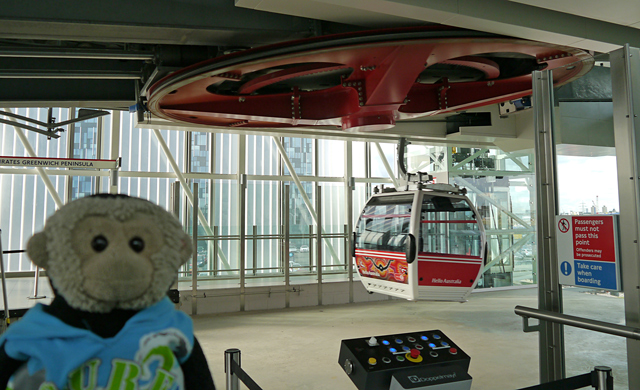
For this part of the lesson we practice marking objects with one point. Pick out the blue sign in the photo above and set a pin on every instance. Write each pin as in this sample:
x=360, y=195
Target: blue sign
x=565, y=268
x=595, y=274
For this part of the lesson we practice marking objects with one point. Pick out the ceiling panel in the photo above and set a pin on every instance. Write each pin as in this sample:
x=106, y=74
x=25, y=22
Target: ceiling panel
x=624, y=12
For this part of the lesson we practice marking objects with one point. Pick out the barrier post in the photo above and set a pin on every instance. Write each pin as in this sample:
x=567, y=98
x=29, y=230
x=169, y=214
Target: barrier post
x=605, y=379
x=232, y=381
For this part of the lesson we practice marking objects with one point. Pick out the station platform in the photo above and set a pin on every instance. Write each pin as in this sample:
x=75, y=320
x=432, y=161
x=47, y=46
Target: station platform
x=297, y=348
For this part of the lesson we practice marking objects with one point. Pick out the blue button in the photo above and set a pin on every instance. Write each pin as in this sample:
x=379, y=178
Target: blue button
x=444, y=344
x=432, y=345
x=398, y=341
x=425, y=338
x=405, y=348
x=393, y=350
x=437, y=337
x=385, y=342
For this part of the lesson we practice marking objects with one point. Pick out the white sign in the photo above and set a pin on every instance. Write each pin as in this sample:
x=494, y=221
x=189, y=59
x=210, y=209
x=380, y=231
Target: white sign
x=588, y=254
x=58, y=162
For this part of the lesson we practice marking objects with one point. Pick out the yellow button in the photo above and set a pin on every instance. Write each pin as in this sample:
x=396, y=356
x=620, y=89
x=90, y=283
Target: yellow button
x=372, y=361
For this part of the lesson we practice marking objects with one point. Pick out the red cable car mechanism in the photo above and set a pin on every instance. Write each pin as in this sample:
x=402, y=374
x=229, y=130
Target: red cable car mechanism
x=360, y=81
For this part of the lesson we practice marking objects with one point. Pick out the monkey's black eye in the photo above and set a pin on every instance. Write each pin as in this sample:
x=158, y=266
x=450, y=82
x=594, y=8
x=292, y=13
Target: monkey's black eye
x=136, y=244
x=99, y=243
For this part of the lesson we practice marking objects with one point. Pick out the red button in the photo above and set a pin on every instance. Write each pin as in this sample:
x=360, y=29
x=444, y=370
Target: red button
x=453, y=351
x=415, y=353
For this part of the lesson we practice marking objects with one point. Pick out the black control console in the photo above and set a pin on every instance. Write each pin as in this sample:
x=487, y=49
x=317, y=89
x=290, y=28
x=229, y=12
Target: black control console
x=419, y=360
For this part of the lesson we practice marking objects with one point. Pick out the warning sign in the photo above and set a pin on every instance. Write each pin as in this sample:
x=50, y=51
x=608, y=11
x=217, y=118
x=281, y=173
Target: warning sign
x=588, y=251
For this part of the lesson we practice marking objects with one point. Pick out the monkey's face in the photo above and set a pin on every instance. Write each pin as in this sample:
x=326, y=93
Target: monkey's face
x=116, y=257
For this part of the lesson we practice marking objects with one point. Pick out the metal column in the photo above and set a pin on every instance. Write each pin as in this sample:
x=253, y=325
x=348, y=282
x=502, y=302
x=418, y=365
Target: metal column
x=319, y=242
x=285, y=247
x=551, y=337
x=194, y=258
x=242, y=216
x=114, y=152
x=625, y=85
x=242, y=261
x=349, y=187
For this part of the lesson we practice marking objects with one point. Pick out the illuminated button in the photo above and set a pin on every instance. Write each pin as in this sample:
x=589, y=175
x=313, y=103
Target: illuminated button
x=424, y=338
x=453, y=351
x=405, y=348
x=386, y=360
x=393, y=350
x=398, y=341
x=432, y=345
x=385, y=342
x=400, y=358
x=444, y=343
x=437, y=337
x=411, y=339
x=419, y=347
x=433, y=353
x=372, y=361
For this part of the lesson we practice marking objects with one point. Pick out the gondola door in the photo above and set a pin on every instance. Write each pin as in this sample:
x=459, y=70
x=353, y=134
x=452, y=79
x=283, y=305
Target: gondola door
x=385, y=244
x=451, y=247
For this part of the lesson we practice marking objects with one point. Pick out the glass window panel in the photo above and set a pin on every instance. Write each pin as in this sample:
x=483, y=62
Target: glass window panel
x=359, y=159
x=448, y=226
x=300, y=152
x=262, y=156
x=226, y=156
x=262, y=215
x=331, y=158
x=200, y=152
x=140, y=149
x=377, y=166
x=384, y=223
x=85, y=139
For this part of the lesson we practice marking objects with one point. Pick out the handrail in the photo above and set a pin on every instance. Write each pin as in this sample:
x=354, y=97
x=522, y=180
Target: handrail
x=578, y=322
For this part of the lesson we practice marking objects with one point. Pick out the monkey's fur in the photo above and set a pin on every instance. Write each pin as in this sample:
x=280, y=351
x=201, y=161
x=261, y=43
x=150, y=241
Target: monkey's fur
x=109, y=258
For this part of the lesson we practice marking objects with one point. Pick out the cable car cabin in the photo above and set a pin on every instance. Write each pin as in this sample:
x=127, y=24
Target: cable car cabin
x=421, y=244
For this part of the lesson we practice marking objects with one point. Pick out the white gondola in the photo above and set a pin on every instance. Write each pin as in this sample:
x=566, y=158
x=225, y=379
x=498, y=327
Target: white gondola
x=424, y=243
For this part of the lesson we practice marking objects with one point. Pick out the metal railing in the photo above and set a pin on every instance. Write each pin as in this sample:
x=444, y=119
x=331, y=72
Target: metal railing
x=578, y=322
x=253, y=269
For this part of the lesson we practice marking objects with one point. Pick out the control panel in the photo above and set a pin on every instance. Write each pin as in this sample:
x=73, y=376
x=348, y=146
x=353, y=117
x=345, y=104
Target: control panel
x=417, y=360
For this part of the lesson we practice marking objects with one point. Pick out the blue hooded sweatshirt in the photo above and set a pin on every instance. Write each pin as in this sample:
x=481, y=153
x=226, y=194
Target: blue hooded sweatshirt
x=145, y=354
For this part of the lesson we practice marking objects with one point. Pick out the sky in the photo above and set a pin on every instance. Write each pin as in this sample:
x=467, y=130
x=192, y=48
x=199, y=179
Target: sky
x=581, y=179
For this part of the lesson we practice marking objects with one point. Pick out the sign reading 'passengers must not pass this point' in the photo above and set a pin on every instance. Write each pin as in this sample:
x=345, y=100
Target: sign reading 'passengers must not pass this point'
x=588, y=251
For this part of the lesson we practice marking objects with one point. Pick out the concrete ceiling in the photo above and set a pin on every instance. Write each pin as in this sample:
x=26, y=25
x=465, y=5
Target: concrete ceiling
x=591, y=24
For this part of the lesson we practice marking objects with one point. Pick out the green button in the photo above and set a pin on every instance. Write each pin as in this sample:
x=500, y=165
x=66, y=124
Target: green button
x=400, y=358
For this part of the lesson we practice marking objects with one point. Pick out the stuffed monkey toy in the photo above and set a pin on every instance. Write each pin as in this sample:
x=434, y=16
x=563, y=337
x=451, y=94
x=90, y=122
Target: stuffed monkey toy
x=111, y=260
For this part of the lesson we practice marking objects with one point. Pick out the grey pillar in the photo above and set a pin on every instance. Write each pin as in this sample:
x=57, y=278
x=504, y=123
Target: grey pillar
x=194, y=259
x=551, y=337
x=625, y=85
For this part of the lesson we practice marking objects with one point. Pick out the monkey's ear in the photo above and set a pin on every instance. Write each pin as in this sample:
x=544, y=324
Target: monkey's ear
x=37, y=249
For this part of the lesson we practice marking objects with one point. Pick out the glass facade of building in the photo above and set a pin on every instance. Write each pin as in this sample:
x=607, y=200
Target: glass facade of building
x=498, y=183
